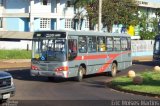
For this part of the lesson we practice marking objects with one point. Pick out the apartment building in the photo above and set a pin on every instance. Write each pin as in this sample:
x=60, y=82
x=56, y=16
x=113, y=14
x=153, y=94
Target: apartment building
x=33, y=15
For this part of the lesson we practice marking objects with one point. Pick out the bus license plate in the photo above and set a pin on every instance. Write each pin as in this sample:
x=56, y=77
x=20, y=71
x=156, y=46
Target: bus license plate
x=6, y=96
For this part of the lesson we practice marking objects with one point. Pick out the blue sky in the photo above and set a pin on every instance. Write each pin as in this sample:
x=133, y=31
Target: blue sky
x=152, y=0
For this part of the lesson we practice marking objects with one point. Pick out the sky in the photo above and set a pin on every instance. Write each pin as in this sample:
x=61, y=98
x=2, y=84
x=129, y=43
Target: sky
x=152, y=1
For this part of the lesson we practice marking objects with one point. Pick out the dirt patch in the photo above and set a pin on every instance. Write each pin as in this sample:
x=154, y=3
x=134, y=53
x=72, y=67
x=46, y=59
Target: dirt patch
x=14, y=64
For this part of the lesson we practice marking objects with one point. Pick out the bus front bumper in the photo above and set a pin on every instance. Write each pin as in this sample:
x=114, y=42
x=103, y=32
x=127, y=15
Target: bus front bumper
x=48, y=73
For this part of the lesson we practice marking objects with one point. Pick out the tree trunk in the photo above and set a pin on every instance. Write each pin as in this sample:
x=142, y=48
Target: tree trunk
x=109, y=28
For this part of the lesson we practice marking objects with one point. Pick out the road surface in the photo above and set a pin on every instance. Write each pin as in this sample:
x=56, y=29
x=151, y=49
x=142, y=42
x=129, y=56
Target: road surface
x=93, y=87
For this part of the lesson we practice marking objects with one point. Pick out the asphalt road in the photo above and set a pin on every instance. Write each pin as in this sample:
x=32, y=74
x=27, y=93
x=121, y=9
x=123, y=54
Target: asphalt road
x=93, y=87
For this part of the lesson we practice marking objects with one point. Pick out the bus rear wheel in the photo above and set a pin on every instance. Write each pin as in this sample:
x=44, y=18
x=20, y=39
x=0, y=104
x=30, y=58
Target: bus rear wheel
x=79, y=76
x=113, y=70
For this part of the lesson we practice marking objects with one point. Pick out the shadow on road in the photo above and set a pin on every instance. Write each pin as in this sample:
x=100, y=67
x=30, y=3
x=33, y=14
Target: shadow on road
x=147, y=63
x=24, y=74
x=93, y=83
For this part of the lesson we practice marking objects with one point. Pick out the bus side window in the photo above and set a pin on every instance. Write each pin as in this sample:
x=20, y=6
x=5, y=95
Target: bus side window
x=72, y=49
x=109, y=43
x=117, y=44
x=82, y=44
x=124, y=44
x=92, y=44
x=129, y=43
x=101, y=44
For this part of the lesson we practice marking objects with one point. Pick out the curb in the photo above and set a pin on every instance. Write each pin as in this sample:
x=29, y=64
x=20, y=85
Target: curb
x=142, y=58
x=109, y=84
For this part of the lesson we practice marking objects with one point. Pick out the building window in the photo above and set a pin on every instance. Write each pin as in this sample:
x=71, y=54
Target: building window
x=68, y=4
x=68, y=23
x=45, y=23
x=87, y=23
x=1, y=24
x=45, y=2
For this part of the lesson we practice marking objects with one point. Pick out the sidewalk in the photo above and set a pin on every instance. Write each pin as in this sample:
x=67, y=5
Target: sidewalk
x=26, y=63
x=142, y=58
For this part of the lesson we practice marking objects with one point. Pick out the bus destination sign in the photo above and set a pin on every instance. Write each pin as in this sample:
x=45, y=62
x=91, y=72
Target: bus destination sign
x=50, y=35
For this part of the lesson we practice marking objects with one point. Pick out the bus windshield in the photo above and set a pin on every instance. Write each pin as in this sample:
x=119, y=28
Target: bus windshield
x=49, y=49
x=157, y=47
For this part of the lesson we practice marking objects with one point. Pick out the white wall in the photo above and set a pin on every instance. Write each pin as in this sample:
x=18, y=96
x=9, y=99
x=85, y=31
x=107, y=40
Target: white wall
x=38, y=7
x=8, y=45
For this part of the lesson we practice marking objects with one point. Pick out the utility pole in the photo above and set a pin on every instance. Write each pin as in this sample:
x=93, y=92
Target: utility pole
x=100, y=15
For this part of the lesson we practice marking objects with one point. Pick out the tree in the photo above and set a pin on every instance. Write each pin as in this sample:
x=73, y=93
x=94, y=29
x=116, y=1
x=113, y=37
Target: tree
x=119, y=11
x=147, y=33
x=158, y=12
x=92, y=11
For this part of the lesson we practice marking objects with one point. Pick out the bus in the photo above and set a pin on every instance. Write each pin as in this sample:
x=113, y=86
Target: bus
x=69, y=54
x=156, y=49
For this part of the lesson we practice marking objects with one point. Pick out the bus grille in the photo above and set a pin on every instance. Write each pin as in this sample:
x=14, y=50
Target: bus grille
x=47, y=67
x=5, y=82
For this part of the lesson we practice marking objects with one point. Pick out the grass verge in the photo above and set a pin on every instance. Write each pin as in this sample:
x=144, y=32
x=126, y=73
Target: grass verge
x=150, y=85
x=15, y=54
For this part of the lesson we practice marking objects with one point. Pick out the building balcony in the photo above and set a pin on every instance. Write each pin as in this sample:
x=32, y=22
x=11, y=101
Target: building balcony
x=15, y=15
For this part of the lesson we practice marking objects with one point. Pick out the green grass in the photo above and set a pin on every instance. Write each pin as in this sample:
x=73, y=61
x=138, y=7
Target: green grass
x=151, y=83
x=15, y=54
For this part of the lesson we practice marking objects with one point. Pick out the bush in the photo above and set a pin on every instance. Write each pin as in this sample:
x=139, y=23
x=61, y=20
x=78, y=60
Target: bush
x=147, y=35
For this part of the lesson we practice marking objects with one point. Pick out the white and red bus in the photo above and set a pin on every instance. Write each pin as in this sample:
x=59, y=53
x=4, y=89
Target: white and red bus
x=77, y=53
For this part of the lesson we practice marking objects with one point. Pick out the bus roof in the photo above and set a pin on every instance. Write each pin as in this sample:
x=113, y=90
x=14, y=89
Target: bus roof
x=85, y=33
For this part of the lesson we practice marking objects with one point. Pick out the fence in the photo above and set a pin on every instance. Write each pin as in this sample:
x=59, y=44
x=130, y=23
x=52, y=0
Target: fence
x=142, y=47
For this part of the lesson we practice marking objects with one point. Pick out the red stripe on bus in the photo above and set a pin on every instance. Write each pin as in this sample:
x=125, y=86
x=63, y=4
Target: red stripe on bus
x=101, y=56
x=106, y=65
x=95, y=57
x=112, y=57
x=98, y=56
x=90, y=57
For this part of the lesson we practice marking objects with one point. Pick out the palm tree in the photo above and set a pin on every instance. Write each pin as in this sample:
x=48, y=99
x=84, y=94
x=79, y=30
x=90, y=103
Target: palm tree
x=88, y=9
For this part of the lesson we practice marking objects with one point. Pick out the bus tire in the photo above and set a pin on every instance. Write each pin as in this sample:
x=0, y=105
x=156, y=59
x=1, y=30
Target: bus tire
x=113, y=70
x=79, y=76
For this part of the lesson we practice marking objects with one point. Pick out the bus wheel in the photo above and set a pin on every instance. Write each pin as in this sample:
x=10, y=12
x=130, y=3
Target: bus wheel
x=79, y=76
x=114, y=69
